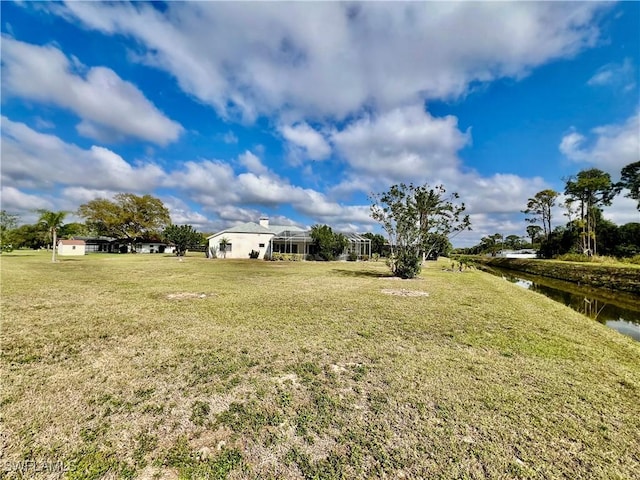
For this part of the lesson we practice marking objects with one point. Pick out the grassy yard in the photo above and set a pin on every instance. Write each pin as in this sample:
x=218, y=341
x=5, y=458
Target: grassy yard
x=141, y=366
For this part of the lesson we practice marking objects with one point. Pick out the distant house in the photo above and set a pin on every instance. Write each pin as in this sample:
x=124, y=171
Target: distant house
x=525, y=253
x=114, y=245
x=242, y=239
x=97, y=244
x=71, y=248
x=268, y=239
x=153, y=245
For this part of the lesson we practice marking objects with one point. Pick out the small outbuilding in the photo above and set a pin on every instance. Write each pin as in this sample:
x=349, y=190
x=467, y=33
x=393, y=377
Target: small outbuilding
x=71, y=247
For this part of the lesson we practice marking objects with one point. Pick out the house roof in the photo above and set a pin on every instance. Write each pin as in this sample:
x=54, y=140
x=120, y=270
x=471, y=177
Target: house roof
x=248, y=227
x=281, y=228
x=71, y=242
x=252, y=227
x=93, y=239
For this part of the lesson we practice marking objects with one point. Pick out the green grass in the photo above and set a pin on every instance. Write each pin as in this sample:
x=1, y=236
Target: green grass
x=305, y=370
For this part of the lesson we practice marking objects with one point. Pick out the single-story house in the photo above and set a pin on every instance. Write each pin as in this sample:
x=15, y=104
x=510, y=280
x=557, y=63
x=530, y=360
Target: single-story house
x=241, y=239
x=114, y=245
x=152, y=245
x=71, y=247
x=96, y=244
x=268, y=239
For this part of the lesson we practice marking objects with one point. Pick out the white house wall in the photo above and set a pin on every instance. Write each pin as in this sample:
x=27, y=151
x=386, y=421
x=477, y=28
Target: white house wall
x=69, y=250
x=153, y=248
x=241, y=244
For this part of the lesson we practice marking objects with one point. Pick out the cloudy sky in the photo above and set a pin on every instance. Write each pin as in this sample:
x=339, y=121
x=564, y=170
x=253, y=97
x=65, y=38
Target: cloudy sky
x=298, y=111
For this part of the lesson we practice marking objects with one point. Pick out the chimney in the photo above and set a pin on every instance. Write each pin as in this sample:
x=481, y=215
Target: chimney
x=264, y=222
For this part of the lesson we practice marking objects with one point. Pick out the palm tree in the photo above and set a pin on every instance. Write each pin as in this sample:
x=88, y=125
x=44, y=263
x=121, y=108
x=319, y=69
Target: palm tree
x=52, y=221
x=224, y=242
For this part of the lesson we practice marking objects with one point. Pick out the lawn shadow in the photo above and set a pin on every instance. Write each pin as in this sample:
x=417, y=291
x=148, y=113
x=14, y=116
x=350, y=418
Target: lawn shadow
x=361, y=273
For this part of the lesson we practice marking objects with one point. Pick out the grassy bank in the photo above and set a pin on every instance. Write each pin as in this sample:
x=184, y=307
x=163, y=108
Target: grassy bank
x=618, y=277
x=140, y=366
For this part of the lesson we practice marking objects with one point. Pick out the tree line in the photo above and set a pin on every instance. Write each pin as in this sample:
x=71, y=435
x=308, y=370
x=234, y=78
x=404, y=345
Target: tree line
x=128, y=217
x=587, y=232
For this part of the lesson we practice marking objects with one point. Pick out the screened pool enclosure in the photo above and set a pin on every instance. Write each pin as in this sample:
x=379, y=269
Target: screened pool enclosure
x=301, y=243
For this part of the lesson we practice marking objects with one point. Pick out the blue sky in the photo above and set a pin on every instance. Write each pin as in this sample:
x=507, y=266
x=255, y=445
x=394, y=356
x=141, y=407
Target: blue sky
x=298, y=111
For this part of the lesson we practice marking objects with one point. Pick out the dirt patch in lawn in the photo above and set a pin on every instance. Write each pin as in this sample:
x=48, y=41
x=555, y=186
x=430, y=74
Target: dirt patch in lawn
x=404, y=292
x=188, y=295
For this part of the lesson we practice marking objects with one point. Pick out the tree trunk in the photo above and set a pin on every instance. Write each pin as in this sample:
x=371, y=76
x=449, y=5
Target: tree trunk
x=549, y=219
x=593, y=232
x=585, y=221
x=55, y=242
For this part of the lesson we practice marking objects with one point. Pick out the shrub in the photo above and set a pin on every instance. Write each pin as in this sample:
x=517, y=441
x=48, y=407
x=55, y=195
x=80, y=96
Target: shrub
x=466, y=262
x=375, y=257
x=365, y=258
x=352, y=256
x=329, y=244
x=634, y=260
x=285, y=257
x=580, y=257
x=254, y=254
x=406, y=264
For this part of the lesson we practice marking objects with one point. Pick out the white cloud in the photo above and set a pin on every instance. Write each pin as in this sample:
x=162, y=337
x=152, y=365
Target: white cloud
x=17, y=201
x=230, y=138
x=500, y=193
x=234, y=198
x=622, y=210
x=43, y=124
x=405, y=144
x=409, y=145
x=487, y=224
x=609, y=147
x=183, y=214
x=330, y=59
x=36, y=160
x=570, y=145
x=234, y=215
x=614, y=74
x=211, y=181
x=110, y=108
x=305, y=141
x=252, y=163
x=79, y=195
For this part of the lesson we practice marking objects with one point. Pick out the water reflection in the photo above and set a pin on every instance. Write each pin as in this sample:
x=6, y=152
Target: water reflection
x=622, y=312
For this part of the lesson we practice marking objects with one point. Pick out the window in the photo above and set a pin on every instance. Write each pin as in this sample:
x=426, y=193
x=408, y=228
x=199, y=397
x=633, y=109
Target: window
x=261, y=245
x=226, y=248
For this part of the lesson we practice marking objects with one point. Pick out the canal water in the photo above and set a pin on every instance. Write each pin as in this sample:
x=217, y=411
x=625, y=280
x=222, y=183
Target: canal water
x=620, y=311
